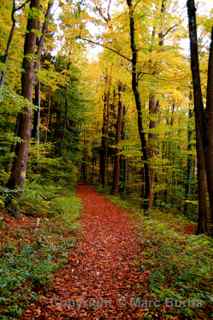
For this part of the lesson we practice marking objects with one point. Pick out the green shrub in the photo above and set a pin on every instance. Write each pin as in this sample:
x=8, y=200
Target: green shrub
x=181, y=266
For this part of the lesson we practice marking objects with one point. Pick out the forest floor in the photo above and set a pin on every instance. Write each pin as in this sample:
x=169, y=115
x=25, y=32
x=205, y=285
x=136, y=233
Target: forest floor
x=122, y=266
x=102, y=279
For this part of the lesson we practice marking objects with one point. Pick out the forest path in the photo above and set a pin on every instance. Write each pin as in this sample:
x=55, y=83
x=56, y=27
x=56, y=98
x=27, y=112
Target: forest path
x=101, y=280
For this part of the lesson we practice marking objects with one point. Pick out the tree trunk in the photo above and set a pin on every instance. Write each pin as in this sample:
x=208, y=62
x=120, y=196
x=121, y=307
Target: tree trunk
x=123, y=159
x=117, y=158
x=104, y=138
x=84, y=164
x=154, y=107
x=19, y=167
x=36, y=118
x=189, y=162
x=5, y=56
x=135, y=88
x=9, y=41
x=200, y=123
x=48, y=120
x=209, y=151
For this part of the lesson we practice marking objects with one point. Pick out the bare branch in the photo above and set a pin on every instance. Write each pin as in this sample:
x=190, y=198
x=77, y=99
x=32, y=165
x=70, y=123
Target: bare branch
x=22, y=5
x=169, y=30
x=108, y=10
x=106, y=47
x=100, y=11
x=104, y=14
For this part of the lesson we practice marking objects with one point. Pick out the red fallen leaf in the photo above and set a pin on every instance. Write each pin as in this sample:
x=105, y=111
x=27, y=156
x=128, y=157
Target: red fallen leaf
x=190, y=229
x=100, y=270
x=146, y=274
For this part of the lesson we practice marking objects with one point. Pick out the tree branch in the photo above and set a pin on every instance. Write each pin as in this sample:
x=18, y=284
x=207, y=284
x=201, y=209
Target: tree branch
x=169, y=30
x=108, y=10
x=100, y=11
x=106, y=47
x=136, y=4
x=22, y=5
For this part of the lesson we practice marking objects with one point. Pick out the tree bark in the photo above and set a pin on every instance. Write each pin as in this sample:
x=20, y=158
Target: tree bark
x=123, y=159
x=189, y=161
x=209, y=151
x=19, y=167
x=135, y=88
x=117, y=158
x=154, y=107
x=37, y=101
x=200, y=121
x=105, y=127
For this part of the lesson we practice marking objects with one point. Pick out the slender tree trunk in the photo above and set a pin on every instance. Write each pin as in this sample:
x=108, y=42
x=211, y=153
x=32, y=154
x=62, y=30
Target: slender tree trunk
x=19, y=167
x=189, y=162
x=84, y=164
x=59, y=132
x=135, y=88
x=37, y=101
x=163, y=10
x=154, y=107
x=9, y=41
x=105, y=127
x=123, y=159
x=48, y=117
x=117, y=158
x=36, y=115
x=209, y=151
x=200, y=121
x=5, y=56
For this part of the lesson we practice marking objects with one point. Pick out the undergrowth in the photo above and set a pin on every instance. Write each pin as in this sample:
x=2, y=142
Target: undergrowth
x=180, y=266
x=32, y=252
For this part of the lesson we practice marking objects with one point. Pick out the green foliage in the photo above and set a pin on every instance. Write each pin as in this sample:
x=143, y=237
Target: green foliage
x=66, y=207
x=11, y=102
x=49, y=200
x=180, y=265
x=36, y=199
x=27, y=268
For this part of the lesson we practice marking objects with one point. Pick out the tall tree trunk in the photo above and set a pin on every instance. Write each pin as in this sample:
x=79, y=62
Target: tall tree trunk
x=84, y=164
x=123, y=159
x=189, y=161
x=105, y=127
x=200, y=123
x=135, y=88
x=48, y=120
x=209, y=151
x=37, y=101
x=19, y=167
x=154, y=107
x=117, y=158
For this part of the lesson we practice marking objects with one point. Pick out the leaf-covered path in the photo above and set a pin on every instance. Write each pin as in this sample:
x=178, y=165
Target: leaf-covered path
x=101, y=280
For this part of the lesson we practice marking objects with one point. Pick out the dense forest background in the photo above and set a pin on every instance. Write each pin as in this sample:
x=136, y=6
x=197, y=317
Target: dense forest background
x=127, y=115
